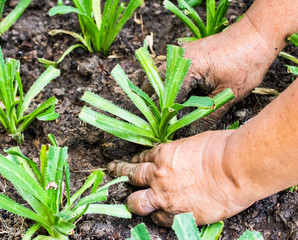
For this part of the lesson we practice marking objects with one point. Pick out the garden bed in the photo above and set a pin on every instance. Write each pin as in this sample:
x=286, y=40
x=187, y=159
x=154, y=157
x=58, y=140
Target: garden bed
x=90, y=148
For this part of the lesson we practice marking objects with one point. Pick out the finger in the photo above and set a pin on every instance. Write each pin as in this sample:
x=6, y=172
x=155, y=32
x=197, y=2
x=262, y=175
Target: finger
x=147, y=155
x=139, y=174
x=162, y=218
x=142, y=202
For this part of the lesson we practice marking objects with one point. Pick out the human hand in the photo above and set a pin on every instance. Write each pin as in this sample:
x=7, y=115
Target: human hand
x=237, y=58
x=187, y=175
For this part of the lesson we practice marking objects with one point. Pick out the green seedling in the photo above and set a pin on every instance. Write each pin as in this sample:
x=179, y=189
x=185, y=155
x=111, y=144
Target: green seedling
x=291, y=69
x=161, y=122
x=47, y=188
x=215, y=18
x=185, y=229
x=98, y=31
x=13, y=16
x=15, y=105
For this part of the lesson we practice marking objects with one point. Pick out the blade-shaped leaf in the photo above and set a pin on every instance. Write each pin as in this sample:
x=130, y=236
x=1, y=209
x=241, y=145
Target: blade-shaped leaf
x=251, y=235
x=212, y=231
x=91, y=117
x=121, y=78
x=109, y=107
x=64, y=10
x=120, y=211
x=7, y=204
x=47, y=76
x=48, y=115
x=185, y=227
x=140, y=232
x=150, y=69
x=19, y=177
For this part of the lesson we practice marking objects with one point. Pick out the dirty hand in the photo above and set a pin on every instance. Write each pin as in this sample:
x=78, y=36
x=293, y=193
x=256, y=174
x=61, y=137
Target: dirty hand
x=187, y=175
x=237, y=58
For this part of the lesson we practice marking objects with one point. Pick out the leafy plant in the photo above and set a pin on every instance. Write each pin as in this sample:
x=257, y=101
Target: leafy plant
x=215, y=18
x=13, y=16
x=161, y=124
x=291, y=69
x=15, y=104
x=185, y=228
x=99, y=32
x=43, y=189
x=194, y=3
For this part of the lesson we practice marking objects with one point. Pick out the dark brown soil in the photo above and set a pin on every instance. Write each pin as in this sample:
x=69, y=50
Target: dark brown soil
x=90, y=148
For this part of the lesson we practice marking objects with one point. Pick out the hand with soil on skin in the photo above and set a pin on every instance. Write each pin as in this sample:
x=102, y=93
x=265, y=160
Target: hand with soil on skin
x=217, y=174
x=237, y=58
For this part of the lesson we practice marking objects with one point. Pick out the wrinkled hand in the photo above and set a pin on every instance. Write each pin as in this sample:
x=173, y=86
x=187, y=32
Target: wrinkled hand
x=237, y=58
x=183, y=176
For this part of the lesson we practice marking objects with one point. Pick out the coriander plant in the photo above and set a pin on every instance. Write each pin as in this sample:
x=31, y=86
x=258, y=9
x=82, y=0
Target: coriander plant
x=185, y=228
x=47, y=188
x=13, y=16
x=98, y=31
x=15, y=105
x=161, y=122
x=215, y=18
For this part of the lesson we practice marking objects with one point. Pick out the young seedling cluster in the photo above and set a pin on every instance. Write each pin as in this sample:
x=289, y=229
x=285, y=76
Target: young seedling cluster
x=185, y=228
x=15, y=105
x=13, y=16
x=215, y=18
x=43, y=190
x=99, y=31
x=162, y=120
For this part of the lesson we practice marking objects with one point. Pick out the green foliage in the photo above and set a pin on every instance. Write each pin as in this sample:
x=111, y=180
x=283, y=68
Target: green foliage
x=185, y=228
x=235, y=125
x=194, y=3
x=291, y=69
x=215, y=18
x=13, y=16
x=161, y=124
x=99, y=30
x=15, y=104
x=44, y=188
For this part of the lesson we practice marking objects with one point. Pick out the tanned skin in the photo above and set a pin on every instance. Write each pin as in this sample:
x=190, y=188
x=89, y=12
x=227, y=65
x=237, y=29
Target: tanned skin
x=218, y=174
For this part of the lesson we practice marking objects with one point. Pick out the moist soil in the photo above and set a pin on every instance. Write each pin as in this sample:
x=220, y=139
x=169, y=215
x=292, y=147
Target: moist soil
x=90, y=148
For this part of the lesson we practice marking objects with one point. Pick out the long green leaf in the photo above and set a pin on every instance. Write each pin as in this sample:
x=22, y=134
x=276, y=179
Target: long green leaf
x=37, y=112
x=17, y=176
x=212, y=231
x=7, y=204
x=150, y=69
x=121, y=78
x=292, y=69
x=219, y=100
x=64, y=10
x=185, y=227
x=140, y=232
x=13, y=16
x=192, y=27
x=251, y=235
x=47, y=76
x=109, y=107
x=31, y=231
x=91, y=117
x=120, y=211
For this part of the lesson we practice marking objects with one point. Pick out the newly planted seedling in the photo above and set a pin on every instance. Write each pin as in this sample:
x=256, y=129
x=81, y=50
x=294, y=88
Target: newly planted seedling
x=98, y=31
x=291, y=69
x=13, y=112
x=161, y=121
x=47, y=188
x=185, y=228
x=215, y=18
x=13, y=16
